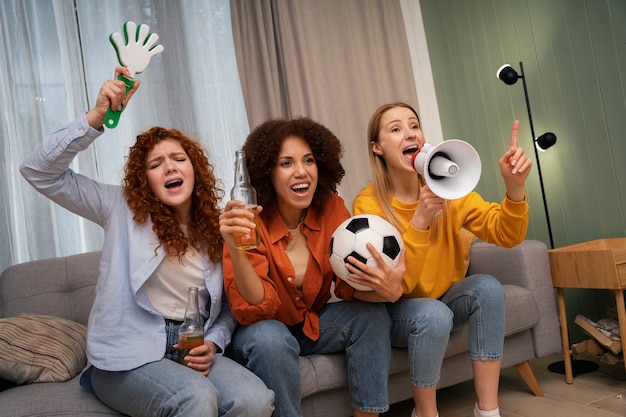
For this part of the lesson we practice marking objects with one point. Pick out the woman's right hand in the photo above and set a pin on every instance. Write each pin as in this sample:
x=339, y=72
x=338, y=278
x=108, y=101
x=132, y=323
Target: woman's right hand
x=427, y=207
x=112, y=95
x=236, y=219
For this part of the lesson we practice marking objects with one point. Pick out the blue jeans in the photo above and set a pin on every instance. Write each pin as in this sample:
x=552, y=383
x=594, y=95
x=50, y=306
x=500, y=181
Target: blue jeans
x=424, y=325
x=166, y=388
x=271, y=350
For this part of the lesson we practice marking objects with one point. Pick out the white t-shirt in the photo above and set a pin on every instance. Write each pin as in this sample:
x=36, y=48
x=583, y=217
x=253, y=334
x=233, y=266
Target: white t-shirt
x=167, y=286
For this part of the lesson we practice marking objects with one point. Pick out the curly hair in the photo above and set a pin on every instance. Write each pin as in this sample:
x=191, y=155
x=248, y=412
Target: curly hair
x=262, y=148
x=203, y=228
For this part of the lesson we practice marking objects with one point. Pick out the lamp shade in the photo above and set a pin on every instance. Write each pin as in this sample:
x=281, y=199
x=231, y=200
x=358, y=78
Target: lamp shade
x=507, y=74
x=545, y=141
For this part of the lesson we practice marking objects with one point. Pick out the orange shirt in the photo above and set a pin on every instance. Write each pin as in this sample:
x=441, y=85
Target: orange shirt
x=283, y=301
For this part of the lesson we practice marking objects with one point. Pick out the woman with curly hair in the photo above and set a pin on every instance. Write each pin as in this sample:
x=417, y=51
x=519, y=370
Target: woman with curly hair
x=161, y=236
x=280, y=291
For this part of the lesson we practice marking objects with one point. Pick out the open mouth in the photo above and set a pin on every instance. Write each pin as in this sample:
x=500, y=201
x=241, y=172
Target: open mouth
x=410, y=151
x=300, y=188
x=175, y=183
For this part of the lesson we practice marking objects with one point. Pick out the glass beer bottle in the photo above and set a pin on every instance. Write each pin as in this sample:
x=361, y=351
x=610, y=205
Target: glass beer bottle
x=191, y=332
x=243, y=191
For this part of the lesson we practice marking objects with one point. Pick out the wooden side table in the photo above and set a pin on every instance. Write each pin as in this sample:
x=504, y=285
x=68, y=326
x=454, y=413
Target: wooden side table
x=597, y=264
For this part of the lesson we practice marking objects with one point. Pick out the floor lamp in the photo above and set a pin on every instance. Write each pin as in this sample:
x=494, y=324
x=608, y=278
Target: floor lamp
x=509, y=76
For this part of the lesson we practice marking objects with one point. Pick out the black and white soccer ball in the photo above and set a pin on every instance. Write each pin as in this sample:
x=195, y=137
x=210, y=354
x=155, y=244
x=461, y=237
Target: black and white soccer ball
x=350, y=238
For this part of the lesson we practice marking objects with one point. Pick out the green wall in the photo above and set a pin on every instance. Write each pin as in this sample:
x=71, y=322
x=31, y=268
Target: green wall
x=574, y=57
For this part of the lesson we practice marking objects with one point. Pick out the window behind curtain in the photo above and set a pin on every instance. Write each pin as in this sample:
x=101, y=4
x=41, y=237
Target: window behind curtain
x=58, y=55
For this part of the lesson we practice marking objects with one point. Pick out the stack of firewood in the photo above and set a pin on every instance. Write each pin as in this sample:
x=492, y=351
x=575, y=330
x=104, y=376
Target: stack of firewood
x=606, y=342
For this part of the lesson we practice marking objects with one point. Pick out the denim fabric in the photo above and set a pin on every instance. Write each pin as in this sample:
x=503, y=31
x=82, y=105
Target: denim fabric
x=171, y=330
x=271, y=350
x=165, y=388
x=479, y=299
x=423, y=325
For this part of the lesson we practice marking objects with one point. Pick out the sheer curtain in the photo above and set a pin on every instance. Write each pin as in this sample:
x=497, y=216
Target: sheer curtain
x=57, y=55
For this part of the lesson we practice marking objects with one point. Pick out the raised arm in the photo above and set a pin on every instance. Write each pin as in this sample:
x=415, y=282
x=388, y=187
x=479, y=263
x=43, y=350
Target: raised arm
x=515, y=167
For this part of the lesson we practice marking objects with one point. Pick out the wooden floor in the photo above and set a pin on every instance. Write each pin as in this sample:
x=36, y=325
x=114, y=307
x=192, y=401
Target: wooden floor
x=601, y=393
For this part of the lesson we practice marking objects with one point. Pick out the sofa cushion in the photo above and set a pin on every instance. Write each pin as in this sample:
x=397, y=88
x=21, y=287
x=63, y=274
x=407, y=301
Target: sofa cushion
x=59, y=399
x=322, y=372
x=41, y=348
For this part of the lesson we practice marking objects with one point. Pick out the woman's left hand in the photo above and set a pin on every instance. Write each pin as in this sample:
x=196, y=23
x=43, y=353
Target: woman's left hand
x=383, y=280
x=515, y=167
x=201, y=357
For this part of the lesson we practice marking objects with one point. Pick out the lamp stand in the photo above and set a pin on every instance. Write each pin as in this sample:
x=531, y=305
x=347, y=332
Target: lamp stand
x=578, y=366
x=532, y=132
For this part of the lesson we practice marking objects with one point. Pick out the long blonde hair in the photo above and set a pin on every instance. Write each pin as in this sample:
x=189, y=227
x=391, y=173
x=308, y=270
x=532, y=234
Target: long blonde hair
x=381, y=182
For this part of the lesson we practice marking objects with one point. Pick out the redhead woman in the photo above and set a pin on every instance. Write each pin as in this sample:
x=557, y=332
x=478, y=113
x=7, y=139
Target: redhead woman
x=161, y=236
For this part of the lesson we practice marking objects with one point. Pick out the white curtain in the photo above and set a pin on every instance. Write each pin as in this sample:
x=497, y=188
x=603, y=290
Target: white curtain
x=56, y=55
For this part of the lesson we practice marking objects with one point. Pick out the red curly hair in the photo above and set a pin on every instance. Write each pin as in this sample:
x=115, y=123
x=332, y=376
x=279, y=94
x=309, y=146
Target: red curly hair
x=203, y=231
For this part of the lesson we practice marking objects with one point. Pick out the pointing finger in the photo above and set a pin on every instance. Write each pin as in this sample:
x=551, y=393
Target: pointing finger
x=514, y=134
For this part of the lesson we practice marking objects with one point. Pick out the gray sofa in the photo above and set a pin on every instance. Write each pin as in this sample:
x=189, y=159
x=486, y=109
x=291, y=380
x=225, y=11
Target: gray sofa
x=64, y=287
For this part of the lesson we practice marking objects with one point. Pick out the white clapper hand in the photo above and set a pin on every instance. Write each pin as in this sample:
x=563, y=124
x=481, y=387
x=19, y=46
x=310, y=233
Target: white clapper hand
x=135, y=50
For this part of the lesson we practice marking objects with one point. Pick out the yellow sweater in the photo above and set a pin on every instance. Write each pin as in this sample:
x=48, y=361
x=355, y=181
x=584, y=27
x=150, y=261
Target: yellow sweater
x=439, y=256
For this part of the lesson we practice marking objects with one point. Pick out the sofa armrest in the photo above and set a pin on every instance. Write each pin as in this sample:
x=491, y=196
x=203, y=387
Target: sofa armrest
x=526, y=265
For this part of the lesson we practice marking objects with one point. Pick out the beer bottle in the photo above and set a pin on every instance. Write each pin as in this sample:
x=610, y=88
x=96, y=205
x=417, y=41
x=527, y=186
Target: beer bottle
x=191, y=331
x=243, y=191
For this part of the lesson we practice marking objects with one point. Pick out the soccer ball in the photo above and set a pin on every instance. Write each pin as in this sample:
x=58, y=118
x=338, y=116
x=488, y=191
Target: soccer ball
x=350, y=238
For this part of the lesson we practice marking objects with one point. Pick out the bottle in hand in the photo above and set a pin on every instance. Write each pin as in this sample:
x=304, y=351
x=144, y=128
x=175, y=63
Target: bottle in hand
x=191, y=331
x=243, y=191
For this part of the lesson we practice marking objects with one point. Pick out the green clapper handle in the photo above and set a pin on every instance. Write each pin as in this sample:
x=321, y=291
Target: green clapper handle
x=112, y=117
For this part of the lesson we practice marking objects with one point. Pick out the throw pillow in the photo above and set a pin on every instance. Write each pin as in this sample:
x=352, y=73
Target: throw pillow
x=41, y=348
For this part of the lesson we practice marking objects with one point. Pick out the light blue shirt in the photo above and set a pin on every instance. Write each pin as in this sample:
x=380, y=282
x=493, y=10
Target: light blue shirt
x=124, y=331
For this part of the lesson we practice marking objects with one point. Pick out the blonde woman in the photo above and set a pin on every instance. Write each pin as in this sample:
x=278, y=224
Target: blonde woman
x=437, y=296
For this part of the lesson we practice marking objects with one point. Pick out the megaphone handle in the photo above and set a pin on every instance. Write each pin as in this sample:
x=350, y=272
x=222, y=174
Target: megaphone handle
x=112, y=117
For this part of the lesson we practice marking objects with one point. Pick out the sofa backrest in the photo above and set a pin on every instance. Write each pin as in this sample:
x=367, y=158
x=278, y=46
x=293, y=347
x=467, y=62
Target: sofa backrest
x=62, y=287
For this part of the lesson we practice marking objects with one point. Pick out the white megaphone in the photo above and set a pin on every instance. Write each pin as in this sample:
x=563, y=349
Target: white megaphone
x=451, y=169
